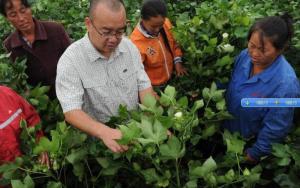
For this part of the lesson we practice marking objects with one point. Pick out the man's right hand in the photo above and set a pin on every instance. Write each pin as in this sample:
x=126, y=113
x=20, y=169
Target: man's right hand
x=109, y=137
x=85, y=123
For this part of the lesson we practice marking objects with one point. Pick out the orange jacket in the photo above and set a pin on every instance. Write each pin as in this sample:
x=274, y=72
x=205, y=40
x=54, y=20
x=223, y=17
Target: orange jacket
x=156, y=57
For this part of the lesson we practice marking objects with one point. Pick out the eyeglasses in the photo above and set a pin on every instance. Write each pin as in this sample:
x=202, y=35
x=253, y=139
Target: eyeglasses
x=118, y=34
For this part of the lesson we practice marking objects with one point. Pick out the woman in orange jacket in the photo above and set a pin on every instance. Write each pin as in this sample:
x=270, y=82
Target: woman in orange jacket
x=159, y=50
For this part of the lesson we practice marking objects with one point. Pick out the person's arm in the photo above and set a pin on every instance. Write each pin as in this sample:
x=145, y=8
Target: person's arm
x=176, y=50
x=276, y=125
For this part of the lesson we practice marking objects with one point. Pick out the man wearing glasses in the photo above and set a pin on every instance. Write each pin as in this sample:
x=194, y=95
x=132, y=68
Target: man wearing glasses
x=99, y=72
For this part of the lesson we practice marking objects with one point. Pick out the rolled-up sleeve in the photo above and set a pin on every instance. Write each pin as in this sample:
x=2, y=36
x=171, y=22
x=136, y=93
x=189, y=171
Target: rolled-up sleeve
x=68, y=85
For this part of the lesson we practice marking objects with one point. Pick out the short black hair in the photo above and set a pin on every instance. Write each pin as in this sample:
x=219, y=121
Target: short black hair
x=153, y=8
x=112, y=4
x=278, y=28
x=4, y=3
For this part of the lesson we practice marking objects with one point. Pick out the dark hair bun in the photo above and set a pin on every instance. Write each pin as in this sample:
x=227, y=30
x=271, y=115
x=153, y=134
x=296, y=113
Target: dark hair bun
x=289, y=22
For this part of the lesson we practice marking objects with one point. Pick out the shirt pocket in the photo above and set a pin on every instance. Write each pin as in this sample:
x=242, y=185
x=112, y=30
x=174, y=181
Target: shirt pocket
x=96, y=89
x=127, y=80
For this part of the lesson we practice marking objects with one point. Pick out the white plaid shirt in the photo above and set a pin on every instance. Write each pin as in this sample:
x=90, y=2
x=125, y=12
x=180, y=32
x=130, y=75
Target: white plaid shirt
x=87, y=80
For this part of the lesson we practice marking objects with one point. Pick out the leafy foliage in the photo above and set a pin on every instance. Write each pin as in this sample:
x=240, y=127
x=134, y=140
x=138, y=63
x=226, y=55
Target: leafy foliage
x=174, y=141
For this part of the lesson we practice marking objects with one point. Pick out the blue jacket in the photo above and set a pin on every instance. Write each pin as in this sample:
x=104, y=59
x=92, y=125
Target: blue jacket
x=268, y=125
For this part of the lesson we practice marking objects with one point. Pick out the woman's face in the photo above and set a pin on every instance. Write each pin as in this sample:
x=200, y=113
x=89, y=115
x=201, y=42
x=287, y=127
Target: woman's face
x=262, y=53
x=154, y=24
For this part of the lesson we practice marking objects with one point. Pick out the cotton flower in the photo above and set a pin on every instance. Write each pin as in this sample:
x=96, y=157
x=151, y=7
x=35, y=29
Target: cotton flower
x=178, y=114
x=227, y=48
x=225, y=35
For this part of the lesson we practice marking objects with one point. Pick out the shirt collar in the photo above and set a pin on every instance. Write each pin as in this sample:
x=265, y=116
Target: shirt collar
x=144, y=32
x=265, y=75
x=40, y=34
x=94, y=54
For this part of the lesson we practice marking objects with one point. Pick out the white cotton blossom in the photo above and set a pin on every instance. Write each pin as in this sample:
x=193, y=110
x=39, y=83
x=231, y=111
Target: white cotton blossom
x=225, y=35
x=227, y=48
x=178, y=114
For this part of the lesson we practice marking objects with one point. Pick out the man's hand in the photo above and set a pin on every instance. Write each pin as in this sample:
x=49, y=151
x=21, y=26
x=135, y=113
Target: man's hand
x=109, y=137
x=180, y=70
x=85, y=123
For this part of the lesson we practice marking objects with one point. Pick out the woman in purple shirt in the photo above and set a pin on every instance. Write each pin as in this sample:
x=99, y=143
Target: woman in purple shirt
x=261, y=71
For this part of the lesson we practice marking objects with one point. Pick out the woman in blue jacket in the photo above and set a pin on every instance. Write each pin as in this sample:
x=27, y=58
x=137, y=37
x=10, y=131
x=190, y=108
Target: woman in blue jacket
x=261, y=71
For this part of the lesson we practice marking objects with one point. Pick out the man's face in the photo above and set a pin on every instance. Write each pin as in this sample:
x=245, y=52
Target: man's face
x=19, y=15
x=106, y=28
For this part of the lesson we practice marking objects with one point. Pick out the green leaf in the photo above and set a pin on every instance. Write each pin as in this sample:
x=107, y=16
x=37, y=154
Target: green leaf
x=150, y=175
x=286, y=180
x=224, y=61
x=149, y=101
x=206, y=94
x=23, y=124
x=28, y=182
x=183, y=102
x=8, y=167
x=170, y=92
x=78, y=170
x=129, y=133
x=62, y=126
x=201, y=171
x=152, y=133
x=52, y=184
x=110, y=167
x=217, y=95
x=209, y=131
x=195, y=139
x=191, y=184
x=197, y=105
x=221, y=105
x=167, y=121
x=17, y=184
x=280, y=150
x=173, y=149
x=104, y=162
x=240, y=32
x=208, y=113
x=284, y=161
x=233, y=142
x=164, y=100
x=229, y=176
x=77, y=155
x=43, y=145
x=218, y=22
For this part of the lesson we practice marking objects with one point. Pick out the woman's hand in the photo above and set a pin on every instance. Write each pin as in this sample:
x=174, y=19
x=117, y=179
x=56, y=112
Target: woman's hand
x=180, y=70
x=44, y=159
